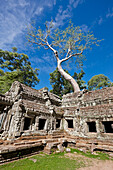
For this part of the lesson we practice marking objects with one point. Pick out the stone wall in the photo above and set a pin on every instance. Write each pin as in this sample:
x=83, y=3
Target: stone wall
x=24, y=110
x=91, y=112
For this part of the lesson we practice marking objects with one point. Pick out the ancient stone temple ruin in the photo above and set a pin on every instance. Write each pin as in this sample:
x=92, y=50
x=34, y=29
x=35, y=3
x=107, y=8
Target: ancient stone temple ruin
x=32, y=118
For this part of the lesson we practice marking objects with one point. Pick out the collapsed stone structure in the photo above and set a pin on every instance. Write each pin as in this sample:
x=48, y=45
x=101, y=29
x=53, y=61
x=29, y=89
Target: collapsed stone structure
x=83, y=116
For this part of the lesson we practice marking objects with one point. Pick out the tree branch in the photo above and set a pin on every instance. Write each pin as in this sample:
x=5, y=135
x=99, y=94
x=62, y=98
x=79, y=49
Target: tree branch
x=67, y=58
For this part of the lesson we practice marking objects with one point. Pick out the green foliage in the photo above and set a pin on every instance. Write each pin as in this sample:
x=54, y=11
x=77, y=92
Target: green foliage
x=61, y=86
x=48, y=162
x=15, y=66
x=98, y=155
x=98, y=82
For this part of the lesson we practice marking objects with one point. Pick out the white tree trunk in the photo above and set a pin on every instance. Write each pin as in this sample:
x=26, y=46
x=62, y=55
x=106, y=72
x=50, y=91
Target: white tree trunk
x=67, y=76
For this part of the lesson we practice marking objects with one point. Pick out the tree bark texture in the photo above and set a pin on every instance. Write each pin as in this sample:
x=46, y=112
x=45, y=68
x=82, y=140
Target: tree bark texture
x=67, y=76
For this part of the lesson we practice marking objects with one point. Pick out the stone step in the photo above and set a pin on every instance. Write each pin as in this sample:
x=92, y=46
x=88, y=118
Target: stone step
x=57, y=133
x=57, y=136
x=27, y=142
x=49, y=147
x=32, y=137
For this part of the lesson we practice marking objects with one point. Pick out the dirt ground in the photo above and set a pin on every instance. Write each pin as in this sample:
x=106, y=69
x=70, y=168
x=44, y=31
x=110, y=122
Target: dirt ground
x=91, y=163
x=100, y=165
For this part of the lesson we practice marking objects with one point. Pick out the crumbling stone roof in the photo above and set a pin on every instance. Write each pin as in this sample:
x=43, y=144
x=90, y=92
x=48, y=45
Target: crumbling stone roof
x=35, y=107
x=98, y=110
x=19, y=90
x=4, y=100
x=99, y=94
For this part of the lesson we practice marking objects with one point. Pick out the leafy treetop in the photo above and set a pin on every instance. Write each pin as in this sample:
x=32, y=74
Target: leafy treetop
x=16, y=66
x=99, y=81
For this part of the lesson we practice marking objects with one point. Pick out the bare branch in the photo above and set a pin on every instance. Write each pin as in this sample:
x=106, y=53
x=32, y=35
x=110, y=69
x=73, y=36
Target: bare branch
x=69, y=50
x=67, y=58
x=50, y=47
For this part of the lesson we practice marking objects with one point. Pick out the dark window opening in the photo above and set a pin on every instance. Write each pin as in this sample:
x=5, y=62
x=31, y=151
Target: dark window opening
x=108, y=126
x=27, y=122
x=70, y=123
x=58, y=123
x=65, y=144
x=41, y=124
x=77, y=110
x=92, y=126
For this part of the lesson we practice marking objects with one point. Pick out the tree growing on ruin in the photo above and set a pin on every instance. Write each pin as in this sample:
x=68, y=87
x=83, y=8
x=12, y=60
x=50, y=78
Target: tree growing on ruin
x=61, y=86
x=99, y=81
x=16, y=66
x=65, y=44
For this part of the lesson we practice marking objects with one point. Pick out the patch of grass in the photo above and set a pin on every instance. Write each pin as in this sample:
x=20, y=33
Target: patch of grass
x=55, y=161
x=46, y=162
x=99, y=155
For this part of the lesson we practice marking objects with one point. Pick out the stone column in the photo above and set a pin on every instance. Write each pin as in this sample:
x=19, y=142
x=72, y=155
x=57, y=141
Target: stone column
x=15, y=124
x=65, y=124
x=46, y=125
x=22, y=124
x=36, y=123
x=100, y=128
x=51, y=110
x=61, y=124
x=55, y=124
x=18, y=118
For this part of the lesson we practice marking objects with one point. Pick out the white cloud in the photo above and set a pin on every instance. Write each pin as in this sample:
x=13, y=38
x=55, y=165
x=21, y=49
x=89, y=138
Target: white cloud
x=100, y=21
x=15, y=15
x=23, y=3
x=47, y=62
x=39, y=10
x=71, y=1
x=84, y=28
x=75, y=3
x=110, y=13
x=62, y=16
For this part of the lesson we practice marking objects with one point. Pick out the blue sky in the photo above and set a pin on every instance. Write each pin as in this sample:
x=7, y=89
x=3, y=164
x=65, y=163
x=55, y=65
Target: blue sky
x=93, y=15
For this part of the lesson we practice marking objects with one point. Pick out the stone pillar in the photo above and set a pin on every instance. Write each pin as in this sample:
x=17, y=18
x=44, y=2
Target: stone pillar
x=46, y=125
x=61, y=124
x=82, y=126
x=97, y=126
x=55, y=124
x=36, y=123
x=18, y=119
x=77, y=124
x=74, y=124
x=65, y=124
x=51, y=110
x=15, y=125
x=3, y=118
x=86, y=130
x=22, y=124
x=100, y=128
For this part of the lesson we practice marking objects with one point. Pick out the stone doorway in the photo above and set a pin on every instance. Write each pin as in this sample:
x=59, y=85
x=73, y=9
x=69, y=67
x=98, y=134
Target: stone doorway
x=92, y=126
x=27, y=123
x=70, y=123
x=42, y=124
x=58, y=123
x=108, y=126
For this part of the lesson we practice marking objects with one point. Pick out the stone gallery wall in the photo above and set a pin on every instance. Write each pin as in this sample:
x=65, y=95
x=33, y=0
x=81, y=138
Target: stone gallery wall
x=90, y=112
x=24, y=111
x=28, y=111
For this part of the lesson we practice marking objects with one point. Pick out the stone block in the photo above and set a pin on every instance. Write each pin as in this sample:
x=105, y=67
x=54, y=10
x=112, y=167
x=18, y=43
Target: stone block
x=60, y=148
